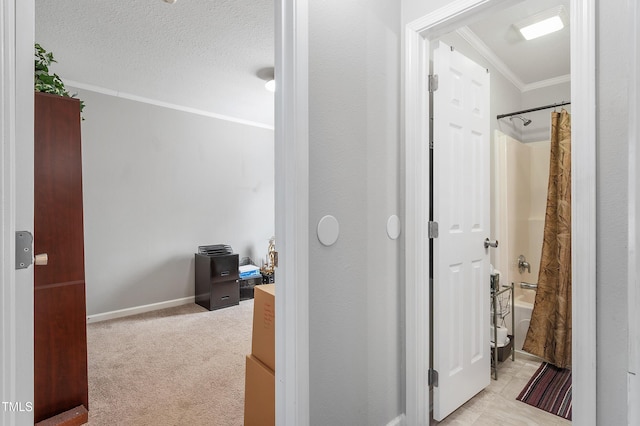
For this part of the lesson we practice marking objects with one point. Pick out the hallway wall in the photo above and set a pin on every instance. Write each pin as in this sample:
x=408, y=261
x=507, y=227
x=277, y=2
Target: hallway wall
x=157, y=184
x=355, y=291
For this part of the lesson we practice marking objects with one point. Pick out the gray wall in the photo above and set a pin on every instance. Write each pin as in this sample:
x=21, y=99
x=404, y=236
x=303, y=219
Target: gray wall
x=613, y=41
x=158, y=183
x=355, y=302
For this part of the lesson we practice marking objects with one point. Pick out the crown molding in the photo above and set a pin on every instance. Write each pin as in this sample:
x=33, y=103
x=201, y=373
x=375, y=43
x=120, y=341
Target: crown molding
x=136, y=98
x=486, y=52
x=547, y=83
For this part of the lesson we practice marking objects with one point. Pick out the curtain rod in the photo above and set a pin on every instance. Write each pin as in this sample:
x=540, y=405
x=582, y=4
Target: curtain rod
x=524, y=111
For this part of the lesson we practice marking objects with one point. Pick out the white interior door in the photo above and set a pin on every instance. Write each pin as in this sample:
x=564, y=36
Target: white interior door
x=461, y=353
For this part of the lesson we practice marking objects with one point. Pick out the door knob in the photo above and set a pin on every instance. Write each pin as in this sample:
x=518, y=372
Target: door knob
x=490, y=243
x=41, y=259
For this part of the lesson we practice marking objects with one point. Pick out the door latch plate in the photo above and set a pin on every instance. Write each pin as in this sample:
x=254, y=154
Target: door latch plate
x=24, y=249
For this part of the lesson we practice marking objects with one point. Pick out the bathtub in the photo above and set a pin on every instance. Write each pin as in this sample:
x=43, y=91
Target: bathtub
x=522, y=310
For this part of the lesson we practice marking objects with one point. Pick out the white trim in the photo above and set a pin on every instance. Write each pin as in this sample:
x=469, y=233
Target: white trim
x=467, y=34
x=416, y=60
x=452, y=16
x=16, y=212
x=292, y=212
x=633, y=261
x=401, y=420
x=416, y=51
x=489, y=55
x=131, y=97
x=139, y=309
x=583, y=209
x=8, y=352
x=547, y=83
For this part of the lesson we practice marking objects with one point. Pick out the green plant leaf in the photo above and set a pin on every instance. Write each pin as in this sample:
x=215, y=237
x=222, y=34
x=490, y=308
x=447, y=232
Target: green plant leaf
x=46, y=82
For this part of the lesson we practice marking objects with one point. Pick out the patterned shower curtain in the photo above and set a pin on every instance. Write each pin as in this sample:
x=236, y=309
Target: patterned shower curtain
x=549, y=335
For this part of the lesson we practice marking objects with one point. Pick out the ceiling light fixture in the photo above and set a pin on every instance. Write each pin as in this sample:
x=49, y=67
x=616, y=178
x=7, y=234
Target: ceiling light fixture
x=270, y=85
x=543, y=23
x=170, y=1
x=267, y=74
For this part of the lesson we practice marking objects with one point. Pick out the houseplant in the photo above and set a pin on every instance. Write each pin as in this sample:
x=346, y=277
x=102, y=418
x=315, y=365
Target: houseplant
x=46, y=82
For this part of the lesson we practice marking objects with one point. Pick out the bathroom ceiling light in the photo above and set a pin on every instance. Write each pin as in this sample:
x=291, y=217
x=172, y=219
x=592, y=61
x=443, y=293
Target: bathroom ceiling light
x=543, y=23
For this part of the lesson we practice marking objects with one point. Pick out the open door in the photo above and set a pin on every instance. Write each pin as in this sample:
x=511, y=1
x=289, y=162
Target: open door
x=461, y=351
x=60, y=336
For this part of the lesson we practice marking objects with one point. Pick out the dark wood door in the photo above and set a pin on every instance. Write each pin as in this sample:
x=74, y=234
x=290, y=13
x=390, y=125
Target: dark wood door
x=60, y=345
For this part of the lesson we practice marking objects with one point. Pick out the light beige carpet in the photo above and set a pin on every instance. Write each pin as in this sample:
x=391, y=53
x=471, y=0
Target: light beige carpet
x=177, y=366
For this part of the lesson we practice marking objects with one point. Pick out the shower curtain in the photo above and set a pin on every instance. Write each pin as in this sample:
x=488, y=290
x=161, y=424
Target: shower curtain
x=549, y=335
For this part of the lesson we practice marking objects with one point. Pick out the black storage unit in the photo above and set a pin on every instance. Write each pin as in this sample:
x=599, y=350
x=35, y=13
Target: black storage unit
x=217, y=277
x=247, y=285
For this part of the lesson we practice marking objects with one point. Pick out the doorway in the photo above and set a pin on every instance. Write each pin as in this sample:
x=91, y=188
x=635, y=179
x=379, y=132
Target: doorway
x=17, y=213
x=177, y=158
x=420, y=34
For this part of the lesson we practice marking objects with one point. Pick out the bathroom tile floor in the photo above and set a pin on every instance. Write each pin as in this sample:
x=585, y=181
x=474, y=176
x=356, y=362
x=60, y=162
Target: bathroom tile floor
x=497, y=404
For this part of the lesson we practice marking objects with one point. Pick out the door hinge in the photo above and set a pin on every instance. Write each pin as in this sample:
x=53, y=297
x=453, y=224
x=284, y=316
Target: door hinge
x=433, y=229
x=433, y=83
x=24, y=249
x=433, y=377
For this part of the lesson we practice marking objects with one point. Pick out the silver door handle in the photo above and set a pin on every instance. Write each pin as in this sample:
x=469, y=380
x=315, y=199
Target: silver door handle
x=490, y=243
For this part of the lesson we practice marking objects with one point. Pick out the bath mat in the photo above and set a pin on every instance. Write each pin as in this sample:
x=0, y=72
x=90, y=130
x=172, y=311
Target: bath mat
x=549, y=389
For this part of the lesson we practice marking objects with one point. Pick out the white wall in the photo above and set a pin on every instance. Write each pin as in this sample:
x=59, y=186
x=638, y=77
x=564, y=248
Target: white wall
x=539, y=157
x=523, y=171
x=513, y=207
x=159, y=182
x=355, y=292
x=540, y=127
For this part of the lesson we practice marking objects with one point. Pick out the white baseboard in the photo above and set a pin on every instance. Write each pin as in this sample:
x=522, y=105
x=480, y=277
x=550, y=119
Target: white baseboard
x=401, y=420
x=139, y=309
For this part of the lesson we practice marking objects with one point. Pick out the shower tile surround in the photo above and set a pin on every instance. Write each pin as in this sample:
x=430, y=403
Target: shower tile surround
x=521, y=179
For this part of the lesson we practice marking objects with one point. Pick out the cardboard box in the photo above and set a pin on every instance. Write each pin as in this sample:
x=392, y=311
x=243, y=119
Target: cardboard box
x=259, y=394
x=264, y=321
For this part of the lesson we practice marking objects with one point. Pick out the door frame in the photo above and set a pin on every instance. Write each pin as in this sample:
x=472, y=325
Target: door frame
x=16, y=211
x=291, y=203
x=417, y=37
x=292, y=212
x=634, y=219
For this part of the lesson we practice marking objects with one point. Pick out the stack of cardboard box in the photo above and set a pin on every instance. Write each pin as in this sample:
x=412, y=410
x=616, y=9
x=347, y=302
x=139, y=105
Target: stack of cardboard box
x=259, y=395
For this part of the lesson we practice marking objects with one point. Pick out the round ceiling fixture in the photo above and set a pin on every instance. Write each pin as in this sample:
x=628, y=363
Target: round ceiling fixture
x=270, y=85
x=170, y=1
x=267, y=74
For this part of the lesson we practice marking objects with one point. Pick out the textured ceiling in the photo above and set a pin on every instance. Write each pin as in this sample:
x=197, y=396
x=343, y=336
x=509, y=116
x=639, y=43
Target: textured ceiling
x=201, y=54
x=207, y=54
